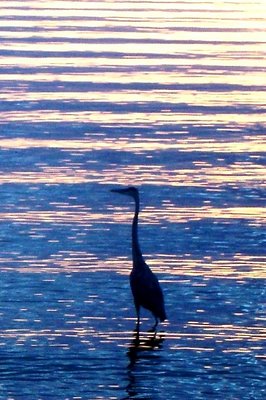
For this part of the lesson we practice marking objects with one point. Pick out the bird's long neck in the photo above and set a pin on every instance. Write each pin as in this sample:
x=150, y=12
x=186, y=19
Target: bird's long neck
x=136, y=252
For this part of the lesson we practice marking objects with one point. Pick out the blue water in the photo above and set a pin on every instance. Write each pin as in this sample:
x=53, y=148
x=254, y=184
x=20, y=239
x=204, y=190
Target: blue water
x=166, y=96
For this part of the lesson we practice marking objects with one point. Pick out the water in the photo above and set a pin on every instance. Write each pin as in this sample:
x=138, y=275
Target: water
x=167, y=96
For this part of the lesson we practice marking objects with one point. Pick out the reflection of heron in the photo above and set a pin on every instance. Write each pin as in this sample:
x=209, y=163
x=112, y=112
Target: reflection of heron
x=145, y=287
x=150, y=342
x=139, y=351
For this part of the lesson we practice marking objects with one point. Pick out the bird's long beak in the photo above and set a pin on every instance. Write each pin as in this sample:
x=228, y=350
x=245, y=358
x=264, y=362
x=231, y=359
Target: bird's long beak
x=121, y=191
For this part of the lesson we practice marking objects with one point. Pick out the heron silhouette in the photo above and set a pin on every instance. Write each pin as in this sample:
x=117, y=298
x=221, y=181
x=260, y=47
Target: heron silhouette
x=145, y=287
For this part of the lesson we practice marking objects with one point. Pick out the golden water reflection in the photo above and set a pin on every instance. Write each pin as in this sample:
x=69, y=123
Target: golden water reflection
x=235, y=175
x=67, y=215
x=148, y=118
x=206, y=337
x=239, y=267
x=248, y=144
x=131, y=97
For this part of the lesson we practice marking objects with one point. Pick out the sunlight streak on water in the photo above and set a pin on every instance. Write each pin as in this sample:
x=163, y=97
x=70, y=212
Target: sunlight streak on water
x=223, y=335
x=170, y=214
x=240, y=266
x=235, y=175
x=249, y=144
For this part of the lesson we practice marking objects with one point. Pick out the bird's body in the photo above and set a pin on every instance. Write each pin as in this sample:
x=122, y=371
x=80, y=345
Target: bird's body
x=144, y=284
x=147, y=292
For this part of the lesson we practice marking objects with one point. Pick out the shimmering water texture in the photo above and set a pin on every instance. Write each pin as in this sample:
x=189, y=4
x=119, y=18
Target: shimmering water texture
x=167, y=96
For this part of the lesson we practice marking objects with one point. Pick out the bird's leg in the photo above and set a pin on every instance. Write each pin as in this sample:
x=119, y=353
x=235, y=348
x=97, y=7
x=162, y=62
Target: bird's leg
x=138, y=317
x=137, y=331
x=138, y=321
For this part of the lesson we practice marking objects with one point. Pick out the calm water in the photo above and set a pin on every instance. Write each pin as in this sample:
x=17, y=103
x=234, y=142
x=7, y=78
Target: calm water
x=167, y=96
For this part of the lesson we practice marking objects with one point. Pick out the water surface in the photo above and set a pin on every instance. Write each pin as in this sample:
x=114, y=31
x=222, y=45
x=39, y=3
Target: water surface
x=167, y=96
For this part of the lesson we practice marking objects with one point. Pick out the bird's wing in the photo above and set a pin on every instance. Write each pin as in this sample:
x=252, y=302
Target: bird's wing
x=147, y=291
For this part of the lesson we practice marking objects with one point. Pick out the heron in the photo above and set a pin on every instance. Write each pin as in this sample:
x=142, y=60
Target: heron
x=145, y=286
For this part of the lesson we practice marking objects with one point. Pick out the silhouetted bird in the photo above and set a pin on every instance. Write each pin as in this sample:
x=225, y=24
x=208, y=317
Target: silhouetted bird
x=144, y=284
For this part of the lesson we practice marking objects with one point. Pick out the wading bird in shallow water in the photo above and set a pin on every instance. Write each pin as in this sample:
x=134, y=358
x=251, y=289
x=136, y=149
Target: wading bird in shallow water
x=144, y=284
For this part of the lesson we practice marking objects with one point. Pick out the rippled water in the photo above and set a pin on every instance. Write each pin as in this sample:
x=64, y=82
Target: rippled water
x=167, y=96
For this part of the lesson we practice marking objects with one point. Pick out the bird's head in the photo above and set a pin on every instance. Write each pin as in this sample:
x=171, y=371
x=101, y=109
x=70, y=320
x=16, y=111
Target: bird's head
x=130, y=191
